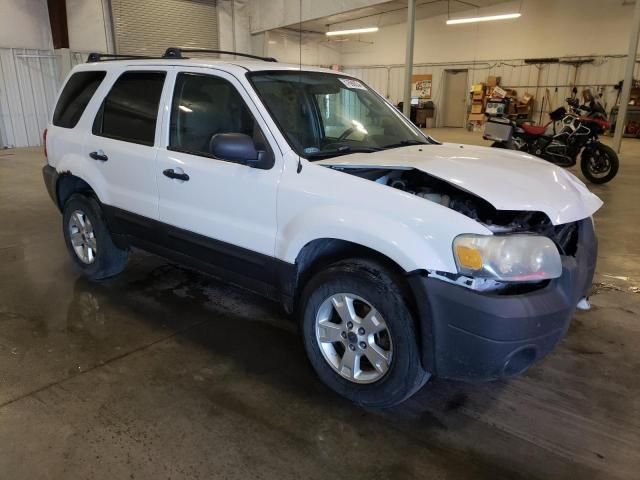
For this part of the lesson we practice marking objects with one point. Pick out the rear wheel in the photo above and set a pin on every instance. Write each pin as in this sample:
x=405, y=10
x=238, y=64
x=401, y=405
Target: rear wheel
x=360, y=335
x=88, y=239
x=600, y=164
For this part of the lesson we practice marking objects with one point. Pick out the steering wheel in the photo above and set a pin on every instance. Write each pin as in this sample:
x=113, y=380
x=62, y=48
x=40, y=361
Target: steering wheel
x=344, y=135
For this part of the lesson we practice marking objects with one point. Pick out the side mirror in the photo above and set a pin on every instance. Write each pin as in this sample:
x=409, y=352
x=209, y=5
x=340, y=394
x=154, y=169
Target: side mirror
x=239, y=147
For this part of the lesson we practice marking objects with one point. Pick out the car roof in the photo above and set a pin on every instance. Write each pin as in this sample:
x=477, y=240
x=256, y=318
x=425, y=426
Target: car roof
x=224, y=64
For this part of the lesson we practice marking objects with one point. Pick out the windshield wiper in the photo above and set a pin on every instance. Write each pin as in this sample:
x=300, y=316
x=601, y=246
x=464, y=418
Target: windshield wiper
x=341, y=151
x=404, y=143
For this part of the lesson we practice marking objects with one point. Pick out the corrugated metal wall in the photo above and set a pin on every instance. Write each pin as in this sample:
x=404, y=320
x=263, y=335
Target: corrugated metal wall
x=604, y=72
x=29, y=81
x=28, y=86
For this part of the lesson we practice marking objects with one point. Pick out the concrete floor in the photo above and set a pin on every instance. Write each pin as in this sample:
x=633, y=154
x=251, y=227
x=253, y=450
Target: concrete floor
x=166, y=373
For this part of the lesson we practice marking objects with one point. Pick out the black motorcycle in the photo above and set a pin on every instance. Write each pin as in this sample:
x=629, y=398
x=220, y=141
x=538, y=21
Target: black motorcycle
x=568, y=135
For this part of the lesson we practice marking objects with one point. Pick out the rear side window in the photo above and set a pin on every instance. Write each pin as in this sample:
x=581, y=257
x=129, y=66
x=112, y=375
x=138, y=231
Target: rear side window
x=130, y=110
x=75, y=96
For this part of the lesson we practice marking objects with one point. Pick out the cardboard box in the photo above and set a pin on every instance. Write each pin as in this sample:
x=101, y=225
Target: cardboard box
x=498, y=92
x=478, y=96
x=477, y=87
x=526, y=99
x=493, y=81
x=477, y=117
x=476, y=108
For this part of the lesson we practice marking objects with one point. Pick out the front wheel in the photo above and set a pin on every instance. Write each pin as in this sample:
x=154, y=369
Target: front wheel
x=600, y=164
x=360, y=335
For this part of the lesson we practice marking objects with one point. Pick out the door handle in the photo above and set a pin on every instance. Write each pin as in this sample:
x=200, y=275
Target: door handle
x=99, y=155
x=171, y=173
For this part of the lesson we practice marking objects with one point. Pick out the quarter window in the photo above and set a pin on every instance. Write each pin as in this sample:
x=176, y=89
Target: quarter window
x=130, y=110
x=203, y=106
x=75, y=97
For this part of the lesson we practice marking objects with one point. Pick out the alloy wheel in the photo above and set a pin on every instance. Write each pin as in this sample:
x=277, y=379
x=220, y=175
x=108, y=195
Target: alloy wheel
x=354, y=338
x=82, y=237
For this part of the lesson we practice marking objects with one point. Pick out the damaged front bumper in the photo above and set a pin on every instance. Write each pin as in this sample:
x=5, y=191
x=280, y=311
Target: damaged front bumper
x=469, y=335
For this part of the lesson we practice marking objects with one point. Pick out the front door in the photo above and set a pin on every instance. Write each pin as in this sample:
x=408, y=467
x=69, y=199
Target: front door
x=455, y=98
x=223, y=212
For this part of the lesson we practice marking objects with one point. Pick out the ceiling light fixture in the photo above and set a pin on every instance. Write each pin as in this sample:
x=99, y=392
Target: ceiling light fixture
x=351, y=32
x=488, y=18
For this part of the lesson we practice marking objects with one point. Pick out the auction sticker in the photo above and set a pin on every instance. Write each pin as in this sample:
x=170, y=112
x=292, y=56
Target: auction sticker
x=350, y=83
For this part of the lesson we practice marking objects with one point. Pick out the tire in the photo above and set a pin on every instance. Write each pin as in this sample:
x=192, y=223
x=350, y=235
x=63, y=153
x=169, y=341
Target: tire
x=92, y=248
x=606, y=154
x=498, y=145
x=370, y=285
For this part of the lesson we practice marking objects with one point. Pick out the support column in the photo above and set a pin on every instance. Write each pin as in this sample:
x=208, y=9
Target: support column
x=58, y=22
x=628, y=78
x=408, y=71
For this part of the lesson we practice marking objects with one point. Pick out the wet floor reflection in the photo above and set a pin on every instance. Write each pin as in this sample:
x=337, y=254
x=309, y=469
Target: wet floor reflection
x=164, y=372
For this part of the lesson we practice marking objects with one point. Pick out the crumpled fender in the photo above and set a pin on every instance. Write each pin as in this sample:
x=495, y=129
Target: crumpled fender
x=327, y=204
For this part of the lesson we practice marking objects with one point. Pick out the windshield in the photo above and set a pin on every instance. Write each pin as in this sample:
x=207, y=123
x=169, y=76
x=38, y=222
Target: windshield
x=324, y=115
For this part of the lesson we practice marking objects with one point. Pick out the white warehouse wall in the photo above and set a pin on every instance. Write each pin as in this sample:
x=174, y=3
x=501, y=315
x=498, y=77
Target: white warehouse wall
x=31, y=71
x=284, y=45
x=25, y=24
x=233, y=26
x=28, y=78
x=557, y=78
x=28, y=86
x=89, y=26
x=547, y=28
x=272, y=14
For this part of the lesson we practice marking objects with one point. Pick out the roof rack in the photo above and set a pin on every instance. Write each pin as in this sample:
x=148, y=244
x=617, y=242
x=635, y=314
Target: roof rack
x=171, y=52
x=102, y=57
x=174, y=52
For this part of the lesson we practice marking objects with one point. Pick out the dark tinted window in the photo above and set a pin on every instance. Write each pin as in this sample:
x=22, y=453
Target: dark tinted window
x=75, y=96
x=130, y=110
x=204, y=106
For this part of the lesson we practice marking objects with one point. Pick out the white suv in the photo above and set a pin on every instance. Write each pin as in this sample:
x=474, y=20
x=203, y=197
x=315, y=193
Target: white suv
x=401, y=257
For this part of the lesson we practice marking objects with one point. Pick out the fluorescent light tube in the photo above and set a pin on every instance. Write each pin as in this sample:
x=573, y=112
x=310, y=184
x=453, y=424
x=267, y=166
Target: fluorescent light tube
x=350, y=32
x=488, y=18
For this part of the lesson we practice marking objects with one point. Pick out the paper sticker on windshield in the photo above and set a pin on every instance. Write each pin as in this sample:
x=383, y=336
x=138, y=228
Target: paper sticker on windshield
x=350, y=83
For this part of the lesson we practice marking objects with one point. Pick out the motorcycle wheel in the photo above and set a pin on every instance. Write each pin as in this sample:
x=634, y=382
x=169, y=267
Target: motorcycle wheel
x=599, y=165
x=498, y=145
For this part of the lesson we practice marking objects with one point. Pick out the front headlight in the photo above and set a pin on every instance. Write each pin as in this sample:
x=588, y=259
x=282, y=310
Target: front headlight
x=509, y=258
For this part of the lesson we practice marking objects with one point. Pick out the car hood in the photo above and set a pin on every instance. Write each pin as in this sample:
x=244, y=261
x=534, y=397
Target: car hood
x=507, y=179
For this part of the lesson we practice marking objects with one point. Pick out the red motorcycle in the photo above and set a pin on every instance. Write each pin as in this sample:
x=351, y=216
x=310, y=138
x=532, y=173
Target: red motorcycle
x=569, y=135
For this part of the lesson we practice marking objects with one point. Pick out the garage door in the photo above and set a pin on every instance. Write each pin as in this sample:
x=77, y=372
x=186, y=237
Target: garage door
x=148, y=27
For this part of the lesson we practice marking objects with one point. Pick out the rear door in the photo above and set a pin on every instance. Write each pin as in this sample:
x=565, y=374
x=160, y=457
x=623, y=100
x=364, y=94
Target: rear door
x=122, y=141
x=65, y=132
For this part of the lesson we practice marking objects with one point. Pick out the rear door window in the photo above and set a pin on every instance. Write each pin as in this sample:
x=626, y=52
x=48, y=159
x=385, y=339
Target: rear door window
x=130, y=110
x=75, y=97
